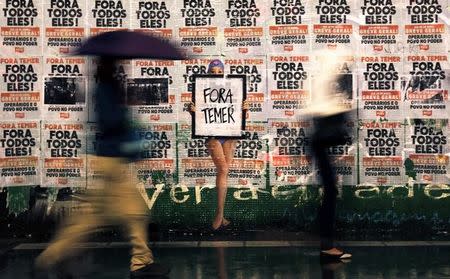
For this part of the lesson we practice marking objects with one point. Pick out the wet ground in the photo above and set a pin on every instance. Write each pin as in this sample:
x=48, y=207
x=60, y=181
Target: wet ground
x=235, y=260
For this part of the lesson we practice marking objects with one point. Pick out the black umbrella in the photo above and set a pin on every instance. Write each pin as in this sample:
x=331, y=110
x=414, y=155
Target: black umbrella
x=128, y=45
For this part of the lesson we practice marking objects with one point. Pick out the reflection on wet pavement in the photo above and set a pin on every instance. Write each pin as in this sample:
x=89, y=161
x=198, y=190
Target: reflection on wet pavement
x=250, y=263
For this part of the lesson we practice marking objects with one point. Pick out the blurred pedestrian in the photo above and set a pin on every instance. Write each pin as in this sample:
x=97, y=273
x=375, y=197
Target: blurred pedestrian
x=330, y=117
x=118, y=201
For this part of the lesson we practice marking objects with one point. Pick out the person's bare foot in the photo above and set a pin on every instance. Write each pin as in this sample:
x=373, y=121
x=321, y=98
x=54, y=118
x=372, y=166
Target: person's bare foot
x=220, y=222
x=217, y=223
x=225, y=222
x=333, y=251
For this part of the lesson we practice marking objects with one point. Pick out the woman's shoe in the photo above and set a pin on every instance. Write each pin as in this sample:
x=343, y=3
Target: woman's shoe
x=324, y=254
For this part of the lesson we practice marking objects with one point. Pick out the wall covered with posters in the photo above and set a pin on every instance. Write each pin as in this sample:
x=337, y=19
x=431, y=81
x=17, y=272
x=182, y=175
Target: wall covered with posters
x=396, y=77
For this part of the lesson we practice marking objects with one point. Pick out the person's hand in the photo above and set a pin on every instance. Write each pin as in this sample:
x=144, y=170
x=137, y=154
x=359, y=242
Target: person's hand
x=191, y=107
x=245, y=105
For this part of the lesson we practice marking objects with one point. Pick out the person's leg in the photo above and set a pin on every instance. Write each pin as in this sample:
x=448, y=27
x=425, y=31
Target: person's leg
x=228, y=147
x=77, y=227
x=74, y=231
x=327, y=210
x=220, y=161
x=126, y=205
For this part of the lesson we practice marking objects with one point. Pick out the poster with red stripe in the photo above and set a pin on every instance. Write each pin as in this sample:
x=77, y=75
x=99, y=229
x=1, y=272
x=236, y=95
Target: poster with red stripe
x=21, y=24
x=157, y=159
x=152, y=93
x=380, y=87
x=65, y=88
x=289, y=26
x=199, y=26
x=248, y=167
x=381, y=29
x=185, y=83
x=333, y=26
x=426, y=84
x=65, y=26
x=254, y=68
x=381, y=152
x=63, y=154
x=20, y=87
x=290, y=156
x=196, y=167
x=289, y=85
x=427, y=146
x=20, y=153
x=244, y=27
x=425, y=28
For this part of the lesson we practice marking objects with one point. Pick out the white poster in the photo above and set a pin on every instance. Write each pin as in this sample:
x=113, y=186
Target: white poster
x=20, y=87
x=289, y=85
x=255, y=70
x=65, y=23
x=65, y=88
x=290, y=156
x=20, y=153
x=21, y=24
x=108, y=15
x=157, y=160
x=63, y=154
x=218, y=105
x=151, y=92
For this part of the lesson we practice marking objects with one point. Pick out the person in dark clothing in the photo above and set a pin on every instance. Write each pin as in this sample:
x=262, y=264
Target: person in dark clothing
x=329, y=115
x=118, y=201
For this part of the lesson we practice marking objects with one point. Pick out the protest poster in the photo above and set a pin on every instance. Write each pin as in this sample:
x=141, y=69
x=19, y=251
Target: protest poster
x=184, y=80
x=290, y=155
x=381, y=152
x=381, y=30
x=155, y=17
x=20, y=153
x=65, y=26
x=108, y=15
x=425, y=85
x=199, y=26
x=196, y=168
x=157, y=159
x=20, y=89
x=151, y=91
x=21, y=24
x=427, y=149
x=332, y=24
x=255, y=70
x=289, y=85
x=248, y=167
x=63, y=154
x=218, y=101
x=244, y=27
x=425, y=27
x=65, y=86
x=289, y=26
x=380, y=91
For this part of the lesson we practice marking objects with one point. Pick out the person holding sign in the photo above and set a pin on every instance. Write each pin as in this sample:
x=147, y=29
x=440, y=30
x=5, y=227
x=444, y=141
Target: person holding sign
x=221, y=150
